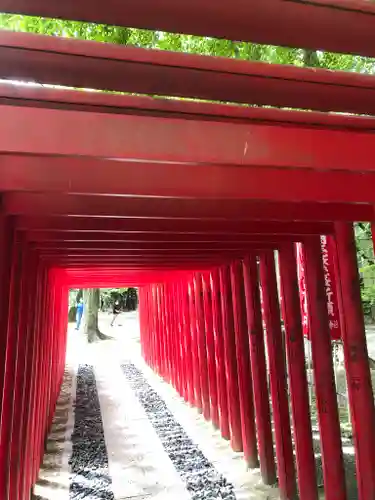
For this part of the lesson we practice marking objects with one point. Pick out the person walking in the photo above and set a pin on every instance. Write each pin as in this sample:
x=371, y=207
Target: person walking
x=79, y=314
x=116, y=311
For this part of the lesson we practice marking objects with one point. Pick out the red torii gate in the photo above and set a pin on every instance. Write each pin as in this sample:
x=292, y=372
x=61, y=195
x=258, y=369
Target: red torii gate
x=189, y=200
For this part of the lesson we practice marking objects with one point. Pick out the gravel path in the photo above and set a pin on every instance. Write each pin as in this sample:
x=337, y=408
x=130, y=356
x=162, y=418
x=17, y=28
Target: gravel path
x=90, y=478
x=202, y=480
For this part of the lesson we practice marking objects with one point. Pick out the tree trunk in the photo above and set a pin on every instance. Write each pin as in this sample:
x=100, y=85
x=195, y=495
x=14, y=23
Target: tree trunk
x=91, y=299
x=310, y=58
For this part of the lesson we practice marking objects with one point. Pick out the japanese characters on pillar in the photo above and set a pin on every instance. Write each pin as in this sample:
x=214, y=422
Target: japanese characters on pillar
x=327, y=243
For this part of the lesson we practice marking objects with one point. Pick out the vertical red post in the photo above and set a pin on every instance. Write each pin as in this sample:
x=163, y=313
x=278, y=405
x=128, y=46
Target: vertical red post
x=361, y=397
x=306, y=471
x=6, y=255
x=10, y=367
x=202, y=348
x=188, y=350
x=194, y=349
x=243, y=363
x=259, y=371
x=180, y=340
x=230, y=360
x=22, y=370
x=217, y=323
x=279, y=394
x=211, y=359
x=329, y=425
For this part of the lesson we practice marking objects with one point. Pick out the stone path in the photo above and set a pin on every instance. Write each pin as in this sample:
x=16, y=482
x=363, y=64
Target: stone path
x=121, y=433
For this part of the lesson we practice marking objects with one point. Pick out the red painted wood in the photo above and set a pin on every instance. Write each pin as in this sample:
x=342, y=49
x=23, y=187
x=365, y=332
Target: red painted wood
x=28, y=391
x=130, y=69
x=277, y=373
x=259, y=371
x=193, y=141
x=149, y=240
x=249, y=438
x=163, y=227
x=6, y=253
x=357, y=362
x=231, y=367
x=317, y=24
x=90, y=176
x=329, y=426
x=10, y=367
x=42, y=97
x=22, y=371
x=217, y=323
x=202, y=346
x=198, y=402
x=38, y=204
x=188, y=346
x=210, y=344
x=294, y=343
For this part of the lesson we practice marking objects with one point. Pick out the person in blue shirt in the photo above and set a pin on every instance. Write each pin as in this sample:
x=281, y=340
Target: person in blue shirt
x=79, y=314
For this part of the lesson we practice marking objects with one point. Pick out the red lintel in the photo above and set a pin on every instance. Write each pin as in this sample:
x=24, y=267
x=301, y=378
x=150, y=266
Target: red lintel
x=99, y=102
x=75, y=133
x=86, y=64
x=35, y=204
x=162, y=227
x=95, y=176
x=314, y=24
x=150, y=238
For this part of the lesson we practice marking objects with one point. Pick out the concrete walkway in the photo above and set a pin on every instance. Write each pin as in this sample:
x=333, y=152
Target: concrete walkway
x=162, y=451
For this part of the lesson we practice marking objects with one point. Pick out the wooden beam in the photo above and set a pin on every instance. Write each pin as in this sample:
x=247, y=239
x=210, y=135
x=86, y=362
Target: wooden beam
x=35, y=204
x=96, y=176
x=316, y=24
x=86, y=64
x=73, y=133
x=100, y=102
x=160, y=227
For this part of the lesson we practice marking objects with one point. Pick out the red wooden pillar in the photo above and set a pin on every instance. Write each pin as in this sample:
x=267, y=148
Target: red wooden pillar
x=194, y=348
x=190, y=395
x=230, y=360
x=159, y=328
x=306, y=472
x=243, y=363
x=181, y=313
x=175, y=339
x=259, y=371
x=23, y=374
x=6, y=254
x=217, y=323
x=361, y=397
x=179, y=340
x=329, y=425
x=202, y=346
x=168, y=331
x=210, y=341
x=31, y=413
x=40, y=385
x=10, y=367
x=279, y=394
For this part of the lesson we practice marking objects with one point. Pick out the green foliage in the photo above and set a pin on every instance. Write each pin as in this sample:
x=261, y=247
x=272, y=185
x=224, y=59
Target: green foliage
x=368, y=300
x=186, y=43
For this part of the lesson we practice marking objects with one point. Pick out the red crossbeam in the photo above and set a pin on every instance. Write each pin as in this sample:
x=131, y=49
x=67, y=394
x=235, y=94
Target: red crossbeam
x=74, y=133
x=316, y=24
x=98, y=102
x=84, y=64
x=35, y=204
x=161, y=227
x=90, y=176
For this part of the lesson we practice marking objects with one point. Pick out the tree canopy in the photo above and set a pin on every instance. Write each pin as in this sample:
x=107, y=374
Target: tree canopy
x=186, y=43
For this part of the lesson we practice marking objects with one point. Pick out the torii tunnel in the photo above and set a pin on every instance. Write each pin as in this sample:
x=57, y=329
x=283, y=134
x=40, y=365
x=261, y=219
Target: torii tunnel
x=200, y=204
